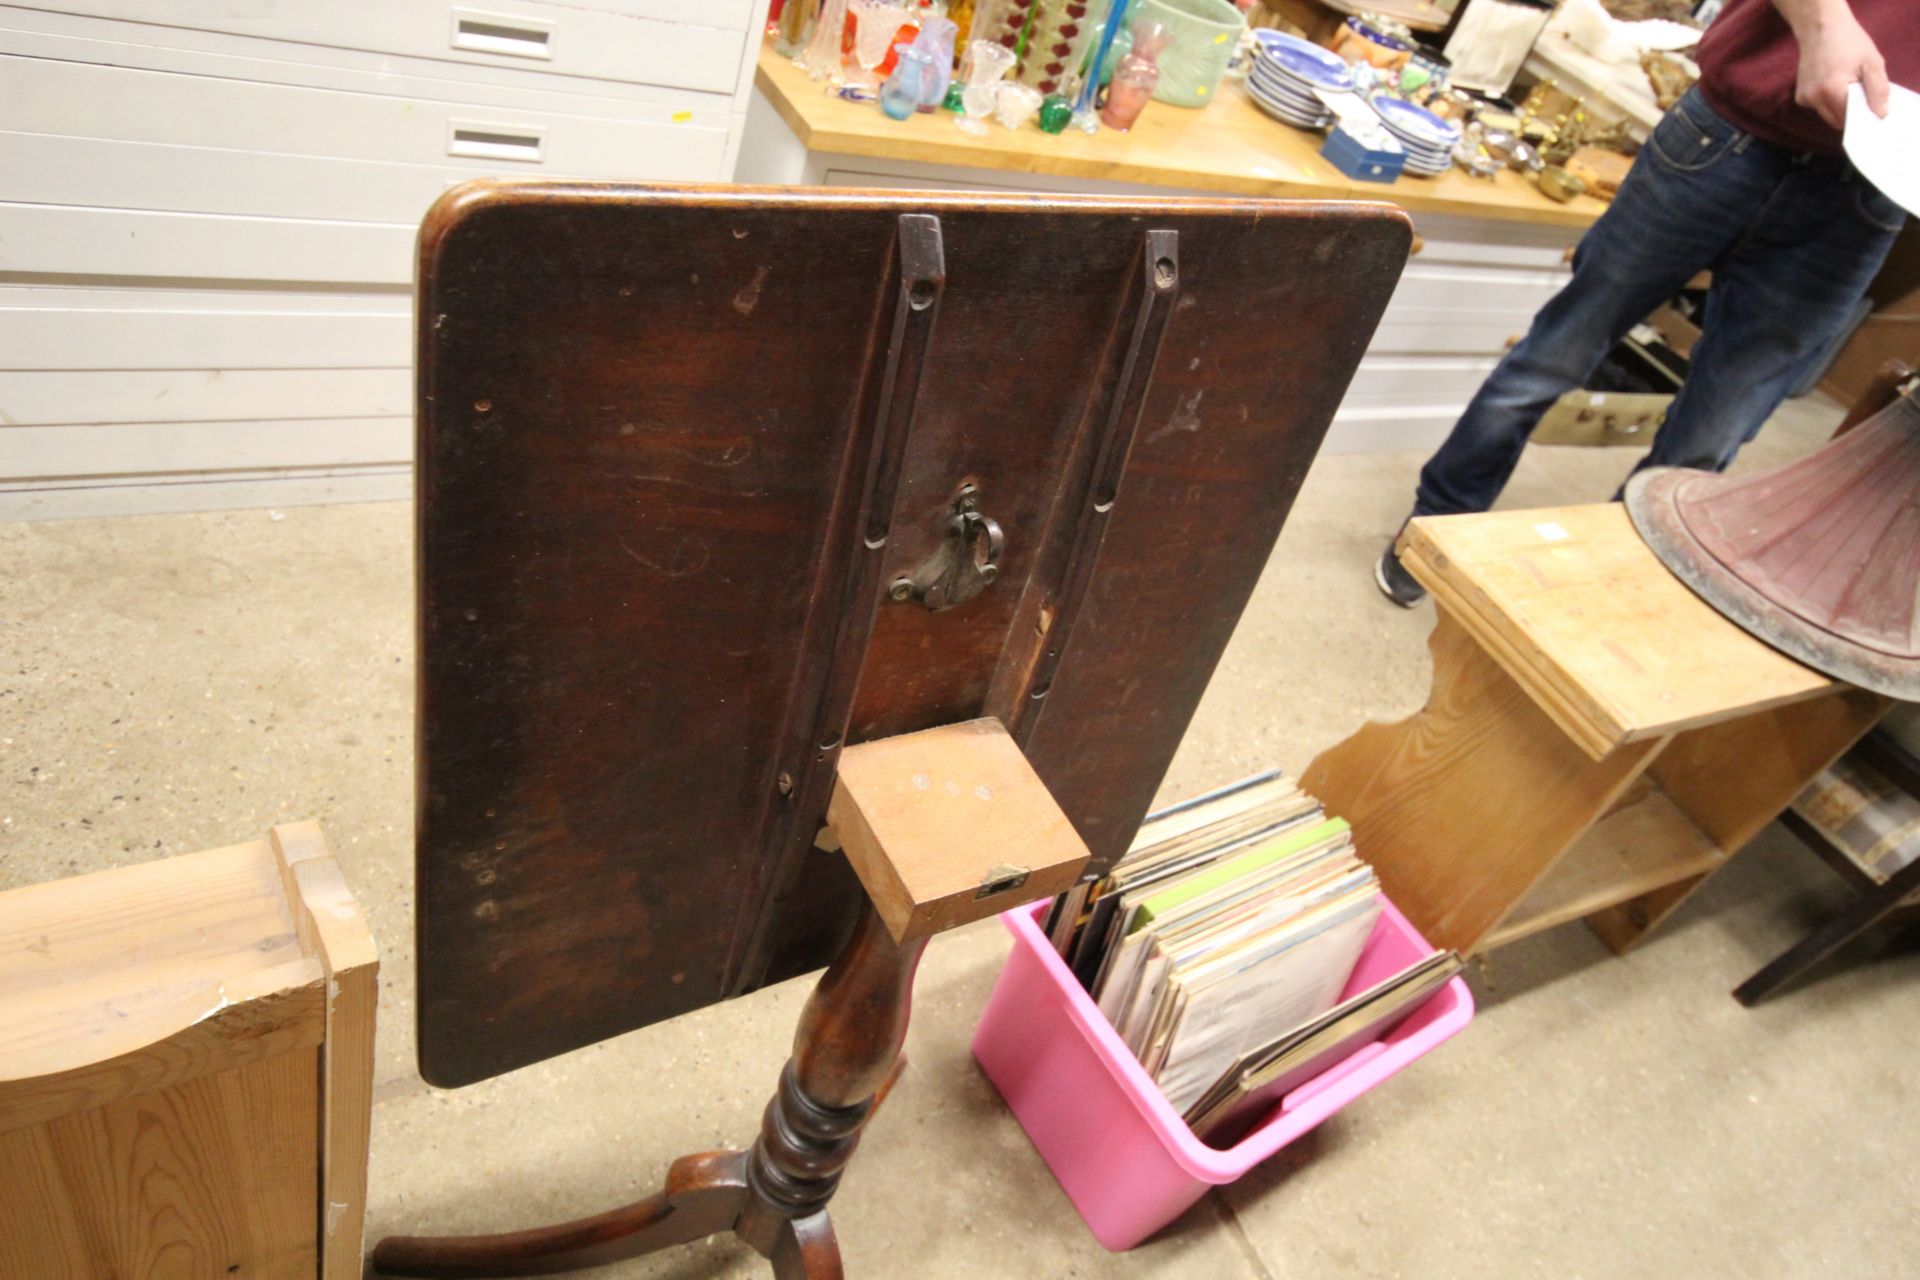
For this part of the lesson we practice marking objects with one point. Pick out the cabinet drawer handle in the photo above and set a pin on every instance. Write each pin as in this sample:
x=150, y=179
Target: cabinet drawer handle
x=501, y=33
x=494, y=142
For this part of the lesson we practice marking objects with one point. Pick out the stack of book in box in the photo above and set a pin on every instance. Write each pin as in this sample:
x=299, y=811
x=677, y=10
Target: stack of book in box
x=1219, y=946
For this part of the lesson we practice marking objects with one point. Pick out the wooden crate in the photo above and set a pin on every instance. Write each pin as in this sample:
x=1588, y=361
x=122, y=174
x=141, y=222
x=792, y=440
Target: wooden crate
x=186, y=1062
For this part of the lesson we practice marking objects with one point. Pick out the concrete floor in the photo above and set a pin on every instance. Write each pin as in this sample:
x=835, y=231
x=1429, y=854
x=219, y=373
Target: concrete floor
x=177, y=682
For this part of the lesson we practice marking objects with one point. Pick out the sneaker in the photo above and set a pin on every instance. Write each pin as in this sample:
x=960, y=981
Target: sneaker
x=1395, y=583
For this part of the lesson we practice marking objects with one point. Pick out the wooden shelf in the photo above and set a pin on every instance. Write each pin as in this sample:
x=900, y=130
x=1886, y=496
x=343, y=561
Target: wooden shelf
x=1644, y=844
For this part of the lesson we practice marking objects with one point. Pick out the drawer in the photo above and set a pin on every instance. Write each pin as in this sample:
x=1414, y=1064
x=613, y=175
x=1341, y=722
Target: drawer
x=93, y=497
x=1402, y=428
x=88, y=397
x=684, y=43
x=37, y=168
x=284, y=122
x=1397, y=382
x=39, y=454
x=1425, y=286
x=69, y=241
x=75, y=329
x=1439, y=331
x=60, y=37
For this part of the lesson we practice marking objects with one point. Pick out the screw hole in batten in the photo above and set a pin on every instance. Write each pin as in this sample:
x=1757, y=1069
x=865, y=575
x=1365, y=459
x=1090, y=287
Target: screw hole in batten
x=920, y=295
x=1164, y=273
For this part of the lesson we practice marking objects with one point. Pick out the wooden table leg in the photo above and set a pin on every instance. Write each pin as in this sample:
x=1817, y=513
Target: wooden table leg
x=1465, y=805
x=1865, y=911
x=773, y=1196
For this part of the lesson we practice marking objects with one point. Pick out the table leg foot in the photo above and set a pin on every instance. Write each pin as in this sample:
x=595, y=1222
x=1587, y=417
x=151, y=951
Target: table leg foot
x=704, y=1195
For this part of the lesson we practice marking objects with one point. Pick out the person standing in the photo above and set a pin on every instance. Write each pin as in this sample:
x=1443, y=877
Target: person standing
x=1745, y=177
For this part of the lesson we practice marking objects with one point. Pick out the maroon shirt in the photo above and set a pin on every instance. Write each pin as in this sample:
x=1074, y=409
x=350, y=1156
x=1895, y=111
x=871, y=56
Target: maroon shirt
x=1749, y=59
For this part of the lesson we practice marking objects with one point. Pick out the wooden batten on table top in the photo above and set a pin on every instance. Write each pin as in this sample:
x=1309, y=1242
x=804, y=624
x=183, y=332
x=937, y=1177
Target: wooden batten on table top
x=1638, y=657
x=1229, y=147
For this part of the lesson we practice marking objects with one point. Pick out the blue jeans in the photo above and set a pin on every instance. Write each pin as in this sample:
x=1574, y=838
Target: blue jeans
x=1793, y=241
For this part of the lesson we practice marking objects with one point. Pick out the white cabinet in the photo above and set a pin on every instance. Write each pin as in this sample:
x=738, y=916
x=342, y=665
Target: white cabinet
x=207, y=214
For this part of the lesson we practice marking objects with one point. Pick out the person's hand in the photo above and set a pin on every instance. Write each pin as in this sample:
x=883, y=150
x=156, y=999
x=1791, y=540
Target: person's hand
x=1834, y=54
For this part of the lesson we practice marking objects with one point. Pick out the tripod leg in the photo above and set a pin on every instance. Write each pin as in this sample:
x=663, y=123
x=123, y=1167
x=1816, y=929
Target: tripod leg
x=704, y=1195
x=774, y=1196
x=807, y=1250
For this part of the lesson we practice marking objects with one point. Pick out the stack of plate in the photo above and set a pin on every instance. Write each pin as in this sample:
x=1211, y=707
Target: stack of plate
x=1287, y=70
x=1427, y=139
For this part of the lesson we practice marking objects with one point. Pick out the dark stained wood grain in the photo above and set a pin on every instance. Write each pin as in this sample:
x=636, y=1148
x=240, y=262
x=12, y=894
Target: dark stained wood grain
x=650, y=615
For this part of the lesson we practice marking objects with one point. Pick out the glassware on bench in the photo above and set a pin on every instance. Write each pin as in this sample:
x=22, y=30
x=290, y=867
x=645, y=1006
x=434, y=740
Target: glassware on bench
x=875, y=25
x=1016, y=104
x=986, y=63
x=936, y=41
x=901, y=95
x=822, y=55
x=1135, y=77
x=796, y=24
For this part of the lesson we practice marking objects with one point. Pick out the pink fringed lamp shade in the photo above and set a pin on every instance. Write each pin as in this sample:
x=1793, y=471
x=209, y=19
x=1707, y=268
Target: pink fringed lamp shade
x=1820, y=558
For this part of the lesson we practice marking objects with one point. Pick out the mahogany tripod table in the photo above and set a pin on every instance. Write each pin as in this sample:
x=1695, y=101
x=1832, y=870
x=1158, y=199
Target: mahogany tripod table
x=802, y=573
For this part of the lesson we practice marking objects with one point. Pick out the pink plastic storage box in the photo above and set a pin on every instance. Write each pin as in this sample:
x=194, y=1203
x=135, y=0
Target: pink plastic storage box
x=1120, y=1151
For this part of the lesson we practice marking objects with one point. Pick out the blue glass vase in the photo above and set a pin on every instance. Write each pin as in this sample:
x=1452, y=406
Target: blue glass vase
x=900, y=95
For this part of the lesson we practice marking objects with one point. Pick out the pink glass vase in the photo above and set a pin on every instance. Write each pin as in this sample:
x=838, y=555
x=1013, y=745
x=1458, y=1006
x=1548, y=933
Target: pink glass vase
x=1134, y=77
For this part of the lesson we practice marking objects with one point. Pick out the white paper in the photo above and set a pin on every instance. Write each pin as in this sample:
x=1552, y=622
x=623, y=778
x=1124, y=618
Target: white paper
x=1887, y=152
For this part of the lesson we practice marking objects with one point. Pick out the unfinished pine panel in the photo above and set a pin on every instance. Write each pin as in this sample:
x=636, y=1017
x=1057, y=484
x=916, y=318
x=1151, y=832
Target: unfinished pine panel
x=1463, y=807
x=212, y=1176
x=185, y=1068
x=950, y=825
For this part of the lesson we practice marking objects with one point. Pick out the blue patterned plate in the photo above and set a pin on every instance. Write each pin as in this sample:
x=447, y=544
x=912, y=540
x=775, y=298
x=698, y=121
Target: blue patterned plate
x=1284, y=91
x=1304, y=60
x=1299, y=117
x=1416, y=124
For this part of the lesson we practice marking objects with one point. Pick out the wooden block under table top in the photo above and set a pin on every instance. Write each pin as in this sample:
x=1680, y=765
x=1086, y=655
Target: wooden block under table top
x=186, y=1062
x=950, y=825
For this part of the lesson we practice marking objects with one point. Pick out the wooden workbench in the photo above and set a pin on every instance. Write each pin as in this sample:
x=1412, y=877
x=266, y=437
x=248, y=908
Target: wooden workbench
x=1489, y=252
x=1597, y=741
x=1230, y=147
